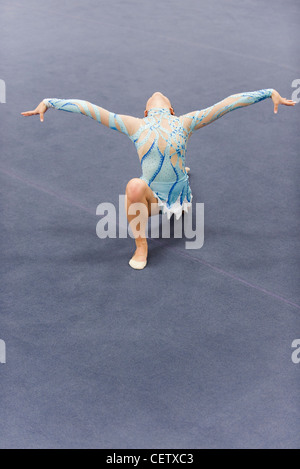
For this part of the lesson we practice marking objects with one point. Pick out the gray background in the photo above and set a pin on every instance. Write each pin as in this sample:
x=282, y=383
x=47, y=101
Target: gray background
x=194, y=351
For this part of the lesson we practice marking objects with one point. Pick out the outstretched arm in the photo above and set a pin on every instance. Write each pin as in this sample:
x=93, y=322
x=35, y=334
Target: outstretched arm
x=125, y=124
x=197, y=119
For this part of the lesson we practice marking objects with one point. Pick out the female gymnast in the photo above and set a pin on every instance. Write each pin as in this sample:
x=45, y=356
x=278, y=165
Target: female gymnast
x=160, y=139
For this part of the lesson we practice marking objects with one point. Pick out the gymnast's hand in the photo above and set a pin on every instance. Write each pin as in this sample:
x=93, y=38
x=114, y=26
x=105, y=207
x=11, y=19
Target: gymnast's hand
x=40, y=109
x=277, y=99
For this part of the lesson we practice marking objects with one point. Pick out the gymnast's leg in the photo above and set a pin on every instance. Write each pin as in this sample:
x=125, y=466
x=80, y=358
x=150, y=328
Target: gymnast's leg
x=141, y=203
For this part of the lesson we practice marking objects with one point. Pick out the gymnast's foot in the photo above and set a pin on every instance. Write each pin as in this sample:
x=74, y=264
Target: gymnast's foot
x=139, y=259
x=187, y=169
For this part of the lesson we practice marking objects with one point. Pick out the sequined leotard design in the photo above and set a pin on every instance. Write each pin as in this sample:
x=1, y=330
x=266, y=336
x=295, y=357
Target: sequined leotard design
x=161, y=144
x=161, y=141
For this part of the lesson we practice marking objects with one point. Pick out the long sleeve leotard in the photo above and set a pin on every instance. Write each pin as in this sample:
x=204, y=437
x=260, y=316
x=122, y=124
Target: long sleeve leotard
x=161, y=139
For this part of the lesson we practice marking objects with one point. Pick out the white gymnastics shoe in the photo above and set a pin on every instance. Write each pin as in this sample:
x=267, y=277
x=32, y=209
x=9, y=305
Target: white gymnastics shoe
x=138, y=265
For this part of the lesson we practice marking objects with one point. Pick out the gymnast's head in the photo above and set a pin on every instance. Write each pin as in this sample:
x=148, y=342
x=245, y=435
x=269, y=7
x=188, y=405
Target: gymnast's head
x=158, y=100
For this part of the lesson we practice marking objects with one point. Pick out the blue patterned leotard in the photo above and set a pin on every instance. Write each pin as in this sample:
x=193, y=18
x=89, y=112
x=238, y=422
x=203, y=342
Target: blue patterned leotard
x=161, y=144
x=161, y=139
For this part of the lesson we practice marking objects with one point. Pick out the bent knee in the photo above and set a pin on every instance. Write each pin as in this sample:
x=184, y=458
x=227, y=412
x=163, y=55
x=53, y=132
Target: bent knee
x=135, y=189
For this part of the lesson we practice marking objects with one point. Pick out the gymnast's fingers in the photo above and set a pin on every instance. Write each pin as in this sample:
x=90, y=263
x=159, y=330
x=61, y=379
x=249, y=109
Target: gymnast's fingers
x=288, y=102
x=29, y=113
